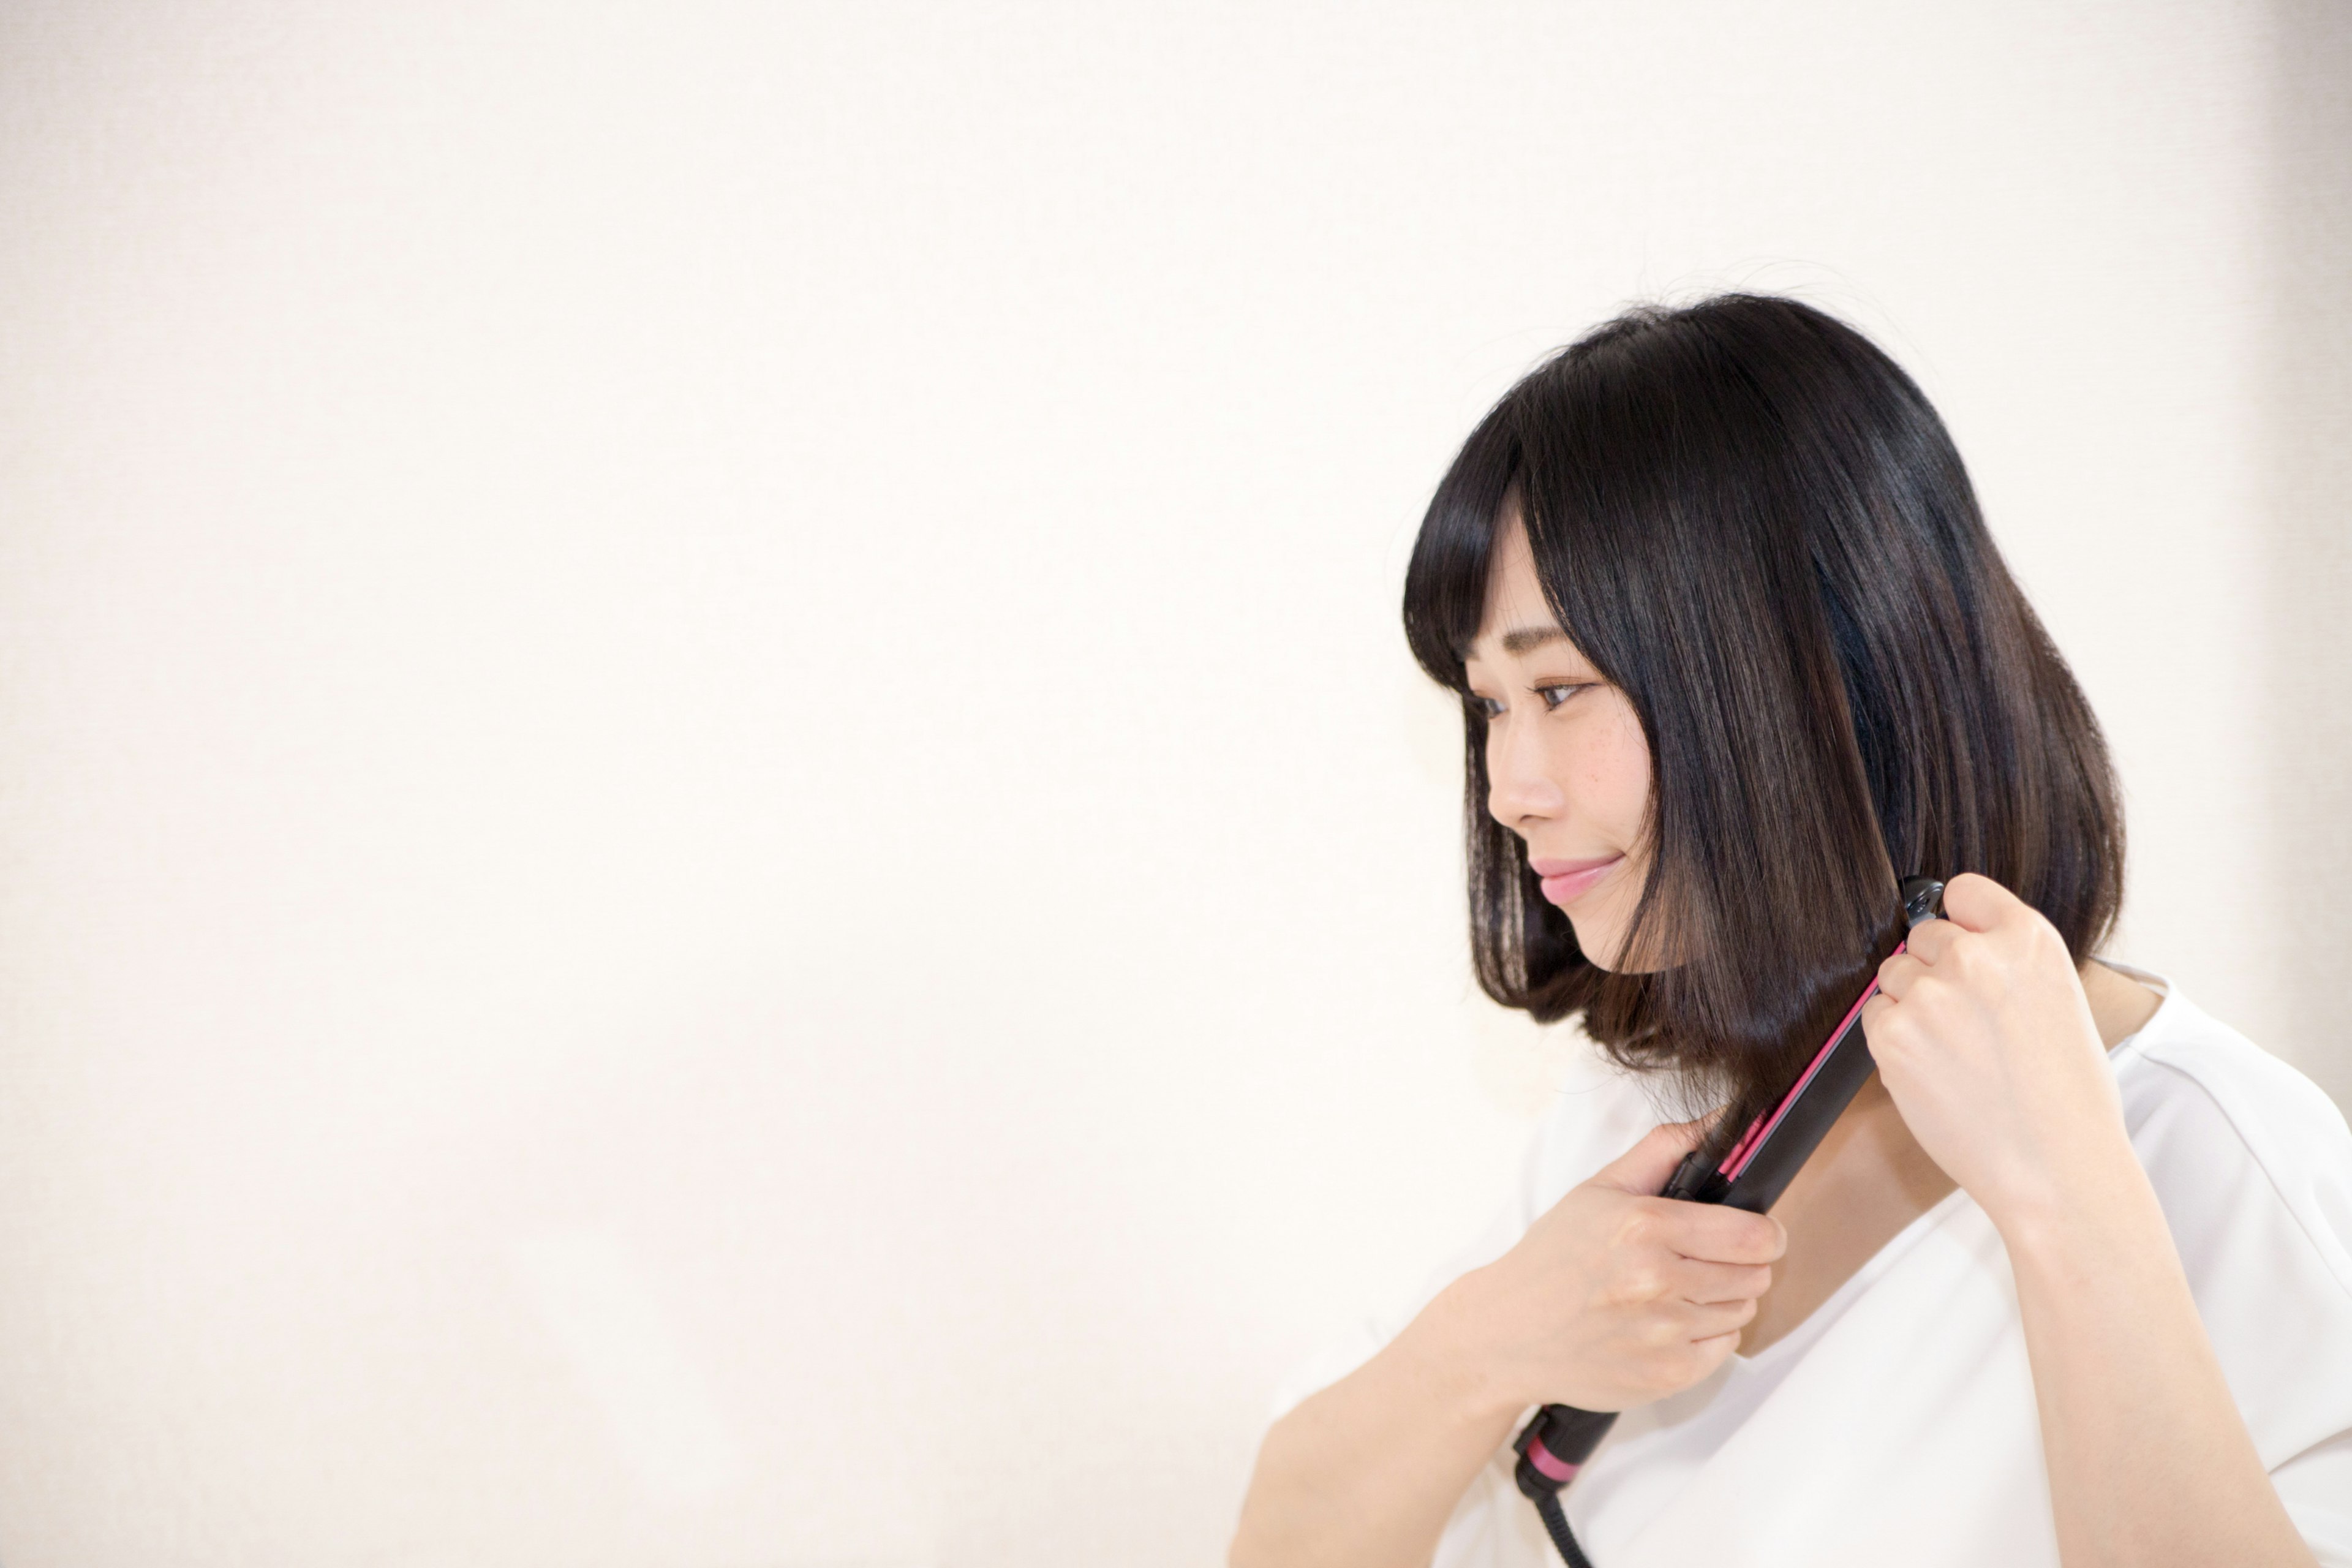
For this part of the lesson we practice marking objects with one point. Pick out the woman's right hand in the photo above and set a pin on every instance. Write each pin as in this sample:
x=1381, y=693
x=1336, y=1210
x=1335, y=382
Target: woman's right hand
x=1615, y=1297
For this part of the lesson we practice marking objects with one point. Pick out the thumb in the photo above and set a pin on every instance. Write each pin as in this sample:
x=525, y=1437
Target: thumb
x=1643, y=1170
x=1977, y=902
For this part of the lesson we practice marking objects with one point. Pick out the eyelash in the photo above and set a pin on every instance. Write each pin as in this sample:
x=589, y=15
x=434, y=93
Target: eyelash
x=1483, y=706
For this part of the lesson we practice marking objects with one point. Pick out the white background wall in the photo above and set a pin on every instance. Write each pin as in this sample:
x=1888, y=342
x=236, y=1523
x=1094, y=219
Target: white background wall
x=716, y=846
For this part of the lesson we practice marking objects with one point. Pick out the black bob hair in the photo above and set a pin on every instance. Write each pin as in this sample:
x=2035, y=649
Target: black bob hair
x=1751, y=522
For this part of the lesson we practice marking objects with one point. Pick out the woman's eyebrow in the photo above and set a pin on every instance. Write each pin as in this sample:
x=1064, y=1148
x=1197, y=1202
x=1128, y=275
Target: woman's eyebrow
x=1518, y=640
x=1521, y=639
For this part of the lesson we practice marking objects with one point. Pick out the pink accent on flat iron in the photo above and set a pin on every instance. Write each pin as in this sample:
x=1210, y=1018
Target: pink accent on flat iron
x=1762, y=1128
x=1559, y=1471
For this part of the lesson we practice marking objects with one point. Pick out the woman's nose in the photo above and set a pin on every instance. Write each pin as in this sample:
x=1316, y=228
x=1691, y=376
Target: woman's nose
x=1519, y=784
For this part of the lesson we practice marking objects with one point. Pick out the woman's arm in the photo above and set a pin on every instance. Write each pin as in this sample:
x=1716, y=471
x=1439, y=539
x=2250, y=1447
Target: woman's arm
x=1985, y=1040
x=1612, y=1297
x=1367, y=1471
x=2150, y=1461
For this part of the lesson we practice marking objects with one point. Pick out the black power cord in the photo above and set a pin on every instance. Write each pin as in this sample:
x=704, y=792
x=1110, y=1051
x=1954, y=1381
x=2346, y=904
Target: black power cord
x=1555, y=1519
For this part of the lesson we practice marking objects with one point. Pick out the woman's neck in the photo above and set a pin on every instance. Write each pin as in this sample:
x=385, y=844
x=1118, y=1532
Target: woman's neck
x=2120, y=1006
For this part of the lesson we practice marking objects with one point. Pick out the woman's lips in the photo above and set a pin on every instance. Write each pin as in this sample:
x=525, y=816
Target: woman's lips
x=1565, y=881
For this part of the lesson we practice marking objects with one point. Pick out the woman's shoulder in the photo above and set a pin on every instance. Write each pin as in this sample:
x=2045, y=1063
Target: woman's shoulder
x=2252, y=1165
x=1598, y=1110
x=2230, y=1133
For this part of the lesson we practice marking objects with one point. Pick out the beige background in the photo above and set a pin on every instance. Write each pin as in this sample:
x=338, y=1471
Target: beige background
x=718, y=845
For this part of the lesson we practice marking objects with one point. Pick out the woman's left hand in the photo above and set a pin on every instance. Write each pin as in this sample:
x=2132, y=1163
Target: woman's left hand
x=1984, y=1037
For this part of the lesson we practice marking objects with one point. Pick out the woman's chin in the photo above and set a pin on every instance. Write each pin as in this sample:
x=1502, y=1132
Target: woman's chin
x=1602, y=942
x=1599, y=947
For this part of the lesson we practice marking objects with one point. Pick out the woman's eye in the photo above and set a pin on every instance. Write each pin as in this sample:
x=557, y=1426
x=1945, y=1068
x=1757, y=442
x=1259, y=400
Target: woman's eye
x=1553, y=696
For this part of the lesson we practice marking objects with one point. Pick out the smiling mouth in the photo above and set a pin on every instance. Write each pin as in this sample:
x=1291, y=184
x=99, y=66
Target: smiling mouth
x=1565, y=881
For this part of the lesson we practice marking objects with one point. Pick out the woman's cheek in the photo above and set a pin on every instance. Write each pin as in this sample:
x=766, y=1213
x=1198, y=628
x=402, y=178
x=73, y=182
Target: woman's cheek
x=1628, y=768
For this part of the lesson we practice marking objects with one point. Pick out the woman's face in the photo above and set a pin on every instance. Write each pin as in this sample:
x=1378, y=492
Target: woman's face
x=1568, y=769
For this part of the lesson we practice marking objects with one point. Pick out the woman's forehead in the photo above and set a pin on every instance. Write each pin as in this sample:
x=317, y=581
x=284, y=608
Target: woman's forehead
x=1516, y=618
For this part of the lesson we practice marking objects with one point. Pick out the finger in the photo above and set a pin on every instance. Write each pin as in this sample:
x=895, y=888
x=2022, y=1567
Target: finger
x=1979, y=903
x=1714, y=1349
x=1643, y=1170
x=1716, y=1318
x=1710, y=1233
x=1893, y=1037
x=1929, y=942
x=1711, y=1284
x=1898, y=975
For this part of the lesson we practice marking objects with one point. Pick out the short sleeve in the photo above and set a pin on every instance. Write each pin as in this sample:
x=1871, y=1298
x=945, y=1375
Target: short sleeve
x=2254, y=1167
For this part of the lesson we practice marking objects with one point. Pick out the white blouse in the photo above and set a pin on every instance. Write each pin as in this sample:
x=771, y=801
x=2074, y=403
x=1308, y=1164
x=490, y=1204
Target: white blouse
x=1897, y=1424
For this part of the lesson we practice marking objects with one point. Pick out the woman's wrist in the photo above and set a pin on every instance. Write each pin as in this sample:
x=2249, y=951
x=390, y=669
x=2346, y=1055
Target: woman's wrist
x=2099, y=1200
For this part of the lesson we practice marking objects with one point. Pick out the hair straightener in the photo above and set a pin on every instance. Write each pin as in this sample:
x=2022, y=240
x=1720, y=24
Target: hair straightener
x=1751, y=1177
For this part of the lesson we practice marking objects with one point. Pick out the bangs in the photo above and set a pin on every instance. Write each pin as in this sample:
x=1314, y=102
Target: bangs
x=1445, y=584
x=1614, y=494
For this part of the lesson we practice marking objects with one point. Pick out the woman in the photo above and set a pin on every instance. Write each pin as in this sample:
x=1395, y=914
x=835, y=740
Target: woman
x=2069, y=1280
